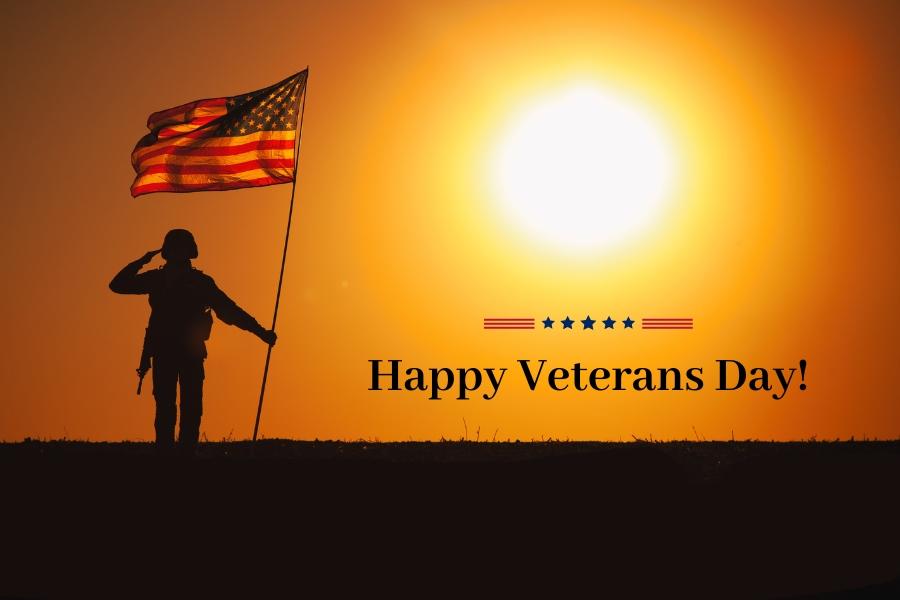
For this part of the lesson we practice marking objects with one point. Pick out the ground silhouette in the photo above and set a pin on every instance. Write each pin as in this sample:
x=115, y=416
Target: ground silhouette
x=684, y=519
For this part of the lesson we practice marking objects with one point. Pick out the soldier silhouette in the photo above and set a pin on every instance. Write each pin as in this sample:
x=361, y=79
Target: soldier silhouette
x=180, y=322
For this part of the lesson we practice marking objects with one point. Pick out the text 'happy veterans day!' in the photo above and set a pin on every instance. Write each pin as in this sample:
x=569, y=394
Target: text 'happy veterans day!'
x=467, y=382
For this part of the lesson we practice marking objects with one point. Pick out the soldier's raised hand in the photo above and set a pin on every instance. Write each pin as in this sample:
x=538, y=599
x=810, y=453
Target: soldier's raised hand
x=149, y=255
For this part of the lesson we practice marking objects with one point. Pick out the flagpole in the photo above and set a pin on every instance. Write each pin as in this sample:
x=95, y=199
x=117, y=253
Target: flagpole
x=287, y=235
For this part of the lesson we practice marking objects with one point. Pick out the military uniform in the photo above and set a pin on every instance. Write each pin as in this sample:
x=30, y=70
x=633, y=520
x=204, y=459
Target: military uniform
x=180, y=298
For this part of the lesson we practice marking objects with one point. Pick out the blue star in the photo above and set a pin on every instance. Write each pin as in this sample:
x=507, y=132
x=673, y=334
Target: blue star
x=628, y=323
x=548, y=323
x=608, y=323
x=588, y=322
x=567, y=322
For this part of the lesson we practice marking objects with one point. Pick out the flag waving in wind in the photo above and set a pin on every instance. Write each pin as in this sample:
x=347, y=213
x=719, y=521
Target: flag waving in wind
x=221, y=143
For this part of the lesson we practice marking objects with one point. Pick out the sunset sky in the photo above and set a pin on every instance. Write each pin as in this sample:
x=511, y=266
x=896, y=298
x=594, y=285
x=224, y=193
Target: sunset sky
x=778, y=230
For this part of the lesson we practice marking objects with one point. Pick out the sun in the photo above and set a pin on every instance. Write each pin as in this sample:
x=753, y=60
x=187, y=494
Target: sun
x=583, y=169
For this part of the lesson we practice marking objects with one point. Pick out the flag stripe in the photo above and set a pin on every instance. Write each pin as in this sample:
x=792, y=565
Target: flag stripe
x=191, y=134
x=203, y=178
x=212, y=186
x=175, y=111
x=206, y=147
x=266, y=148
x=195, y=168
x=185, y=112
x=231, y=158
x=193, y=125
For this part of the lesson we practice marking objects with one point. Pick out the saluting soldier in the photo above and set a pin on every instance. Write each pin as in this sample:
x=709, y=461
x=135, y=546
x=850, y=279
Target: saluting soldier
x=180, y=322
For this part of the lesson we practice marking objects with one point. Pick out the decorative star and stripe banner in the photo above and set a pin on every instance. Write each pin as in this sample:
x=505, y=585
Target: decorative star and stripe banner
x=222, y=143
x=588, y=323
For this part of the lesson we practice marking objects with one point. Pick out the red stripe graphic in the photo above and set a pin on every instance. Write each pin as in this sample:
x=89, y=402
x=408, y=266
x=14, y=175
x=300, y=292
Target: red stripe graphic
x=667, y=323
x=509, y=322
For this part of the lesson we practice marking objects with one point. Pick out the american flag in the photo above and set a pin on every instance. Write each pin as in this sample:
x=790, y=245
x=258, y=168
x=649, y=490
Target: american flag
x=221, y=143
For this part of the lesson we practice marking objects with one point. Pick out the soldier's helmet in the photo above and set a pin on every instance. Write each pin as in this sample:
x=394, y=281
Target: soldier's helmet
x=179, y=244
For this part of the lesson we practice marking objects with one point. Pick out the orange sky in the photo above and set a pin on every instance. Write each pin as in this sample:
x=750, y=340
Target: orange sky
x=780, y=239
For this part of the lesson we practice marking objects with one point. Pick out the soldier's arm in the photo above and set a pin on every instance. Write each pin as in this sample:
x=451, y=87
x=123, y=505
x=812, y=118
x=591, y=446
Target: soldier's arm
x=129, y=281
x=229, y=312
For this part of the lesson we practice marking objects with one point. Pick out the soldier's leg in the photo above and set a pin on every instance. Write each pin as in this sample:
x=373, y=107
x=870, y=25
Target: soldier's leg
x=165, y=375
x=191, y=381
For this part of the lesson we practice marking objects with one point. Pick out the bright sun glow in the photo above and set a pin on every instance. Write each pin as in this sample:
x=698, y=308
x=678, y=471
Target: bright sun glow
x=583, y=170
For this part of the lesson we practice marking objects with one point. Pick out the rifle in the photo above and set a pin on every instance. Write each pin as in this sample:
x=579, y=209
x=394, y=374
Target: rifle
x=145, y=360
